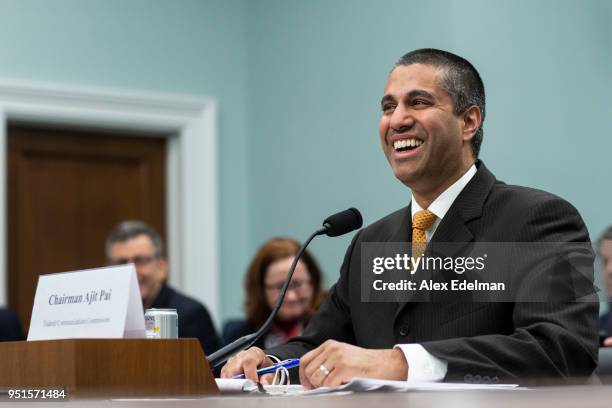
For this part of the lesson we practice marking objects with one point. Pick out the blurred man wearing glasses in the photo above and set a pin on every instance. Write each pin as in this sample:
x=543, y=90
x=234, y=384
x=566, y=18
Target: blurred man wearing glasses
x=136, y=242
x=605, y=253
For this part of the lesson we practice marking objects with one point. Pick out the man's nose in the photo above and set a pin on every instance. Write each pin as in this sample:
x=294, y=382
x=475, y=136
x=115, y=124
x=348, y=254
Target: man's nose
x=139, y=269
x=402, y=120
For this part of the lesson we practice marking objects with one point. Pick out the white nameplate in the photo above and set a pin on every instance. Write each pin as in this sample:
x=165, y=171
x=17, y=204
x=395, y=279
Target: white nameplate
x=93, y=303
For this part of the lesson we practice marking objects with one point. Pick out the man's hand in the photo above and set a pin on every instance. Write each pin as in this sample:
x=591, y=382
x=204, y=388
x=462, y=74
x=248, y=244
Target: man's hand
x=607, y=342
x=334, y=363
x=248, y=362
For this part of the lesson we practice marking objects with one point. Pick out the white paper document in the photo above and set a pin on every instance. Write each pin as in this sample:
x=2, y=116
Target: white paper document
x=233, y=386
x=356, y=385
x=368, y=384
x=93, y=303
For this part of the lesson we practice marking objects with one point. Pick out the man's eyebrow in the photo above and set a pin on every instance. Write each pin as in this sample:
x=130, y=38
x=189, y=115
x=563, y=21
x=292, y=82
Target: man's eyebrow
x=410, y=95
x=419, y=92
x=387, y=98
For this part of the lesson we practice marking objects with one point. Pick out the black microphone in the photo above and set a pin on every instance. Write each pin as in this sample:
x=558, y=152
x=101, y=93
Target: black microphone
x=343, y=222
x=333, y=226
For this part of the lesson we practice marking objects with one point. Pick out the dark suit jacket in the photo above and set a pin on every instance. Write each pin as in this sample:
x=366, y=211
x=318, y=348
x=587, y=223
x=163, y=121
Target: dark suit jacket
x=506, y=342
x=605, y=322
x=194, y=319
x=10, y=326
x=234, y=329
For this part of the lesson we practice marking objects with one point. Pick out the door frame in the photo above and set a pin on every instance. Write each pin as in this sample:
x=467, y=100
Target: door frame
x=191, y=165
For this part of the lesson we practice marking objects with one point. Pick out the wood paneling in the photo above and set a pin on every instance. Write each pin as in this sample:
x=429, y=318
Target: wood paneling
x=108, y=367
x=66, y=190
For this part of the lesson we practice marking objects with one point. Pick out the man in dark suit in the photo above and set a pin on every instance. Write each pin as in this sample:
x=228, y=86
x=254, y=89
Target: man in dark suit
x=10, y=326
x=138, y=243
x=431, y=131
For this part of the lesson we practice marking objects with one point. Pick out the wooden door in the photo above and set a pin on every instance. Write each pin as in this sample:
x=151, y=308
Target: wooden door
x=66, y=190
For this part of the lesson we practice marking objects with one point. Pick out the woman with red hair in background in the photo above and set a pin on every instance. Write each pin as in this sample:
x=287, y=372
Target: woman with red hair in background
x=264, y=280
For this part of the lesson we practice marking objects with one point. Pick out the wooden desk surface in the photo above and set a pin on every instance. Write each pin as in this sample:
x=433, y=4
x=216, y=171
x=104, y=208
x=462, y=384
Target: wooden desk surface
x=553, y=397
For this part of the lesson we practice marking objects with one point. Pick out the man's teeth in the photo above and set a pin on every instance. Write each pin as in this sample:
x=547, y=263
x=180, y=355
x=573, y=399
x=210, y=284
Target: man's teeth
x=406, y=143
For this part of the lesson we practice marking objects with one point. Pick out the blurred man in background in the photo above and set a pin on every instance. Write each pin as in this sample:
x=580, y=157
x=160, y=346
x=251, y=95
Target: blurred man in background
x=136, y=242
x=605, y=252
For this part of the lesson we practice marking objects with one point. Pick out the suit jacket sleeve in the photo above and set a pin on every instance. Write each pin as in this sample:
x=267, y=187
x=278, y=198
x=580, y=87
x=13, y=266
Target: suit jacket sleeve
x=551, y=340
x=332, y=320
x=197, y=323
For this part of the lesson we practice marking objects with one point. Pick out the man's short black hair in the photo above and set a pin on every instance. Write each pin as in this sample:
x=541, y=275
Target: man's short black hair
x=127, y=230
x=460, y=80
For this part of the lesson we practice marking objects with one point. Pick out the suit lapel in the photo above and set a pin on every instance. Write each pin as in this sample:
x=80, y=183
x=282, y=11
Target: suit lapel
x=404, y=231
x=402, y=235
x=467, y=206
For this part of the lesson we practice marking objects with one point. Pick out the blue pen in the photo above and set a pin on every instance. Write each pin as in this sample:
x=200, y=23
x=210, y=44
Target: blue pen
x=292, y=362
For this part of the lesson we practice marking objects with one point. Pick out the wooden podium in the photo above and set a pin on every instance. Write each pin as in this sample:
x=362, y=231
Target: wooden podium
x=108, y=367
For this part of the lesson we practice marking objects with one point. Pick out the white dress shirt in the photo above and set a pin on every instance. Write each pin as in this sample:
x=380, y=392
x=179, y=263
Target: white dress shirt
x=422, y=366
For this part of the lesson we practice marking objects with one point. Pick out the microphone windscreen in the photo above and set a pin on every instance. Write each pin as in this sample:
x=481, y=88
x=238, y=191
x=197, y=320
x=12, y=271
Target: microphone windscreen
x=343, y=222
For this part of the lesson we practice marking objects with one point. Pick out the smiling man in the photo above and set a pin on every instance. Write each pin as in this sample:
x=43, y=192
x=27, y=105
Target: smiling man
x=433, y=108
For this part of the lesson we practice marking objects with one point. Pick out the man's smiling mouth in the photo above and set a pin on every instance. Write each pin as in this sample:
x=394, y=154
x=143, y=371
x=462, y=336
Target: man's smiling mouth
x=404, y=145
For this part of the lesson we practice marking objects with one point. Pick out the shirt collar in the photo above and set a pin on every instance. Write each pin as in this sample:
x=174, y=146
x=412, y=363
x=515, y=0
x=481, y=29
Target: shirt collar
x=444, y=201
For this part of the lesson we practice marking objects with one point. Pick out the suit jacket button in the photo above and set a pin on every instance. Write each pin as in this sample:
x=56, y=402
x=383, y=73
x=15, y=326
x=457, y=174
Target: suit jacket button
x=403, y=331
x=468, y=378
x=477, y=379
x=486, y=379
x=495, y=380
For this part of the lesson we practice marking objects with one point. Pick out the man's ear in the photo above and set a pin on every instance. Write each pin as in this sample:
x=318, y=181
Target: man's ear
x=472, y=119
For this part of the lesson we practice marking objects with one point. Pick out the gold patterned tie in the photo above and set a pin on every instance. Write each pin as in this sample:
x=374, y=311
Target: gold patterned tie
x=421, y=222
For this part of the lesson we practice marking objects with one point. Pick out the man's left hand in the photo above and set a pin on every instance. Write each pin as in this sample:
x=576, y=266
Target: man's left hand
x=334, y=363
